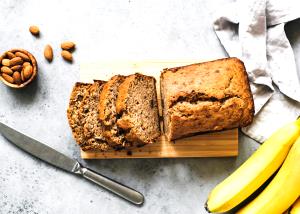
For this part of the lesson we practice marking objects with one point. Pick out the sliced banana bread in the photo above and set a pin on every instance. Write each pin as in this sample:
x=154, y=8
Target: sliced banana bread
x=205, y=97
x=92, y=127
x=73, y=111
x=137, y=109
x=108, y=114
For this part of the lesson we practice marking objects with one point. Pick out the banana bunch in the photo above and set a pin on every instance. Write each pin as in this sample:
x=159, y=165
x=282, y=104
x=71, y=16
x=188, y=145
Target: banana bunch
x=283, y=190
x=295, y=209
x=282, y=149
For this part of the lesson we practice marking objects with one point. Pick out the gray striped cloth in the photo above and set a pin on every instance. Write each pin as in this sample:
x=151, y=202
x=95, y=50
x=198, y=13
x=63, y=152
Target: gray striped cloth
x=253, y=30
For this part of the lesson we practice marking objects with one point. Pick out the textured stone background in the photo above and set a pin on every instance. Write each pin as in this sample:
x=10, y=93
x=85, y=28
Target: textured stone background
x=108, y=29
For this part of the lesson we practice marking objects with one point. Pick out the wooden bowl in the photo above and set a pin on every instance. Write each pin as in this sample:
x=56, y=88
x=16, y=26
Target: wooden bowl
x=34, y=70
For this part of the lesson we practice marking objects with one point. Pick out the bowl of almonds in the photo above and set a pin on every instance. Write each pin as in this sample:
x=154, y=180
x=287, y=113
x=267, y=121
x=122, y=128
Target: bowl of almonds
x=18, y=68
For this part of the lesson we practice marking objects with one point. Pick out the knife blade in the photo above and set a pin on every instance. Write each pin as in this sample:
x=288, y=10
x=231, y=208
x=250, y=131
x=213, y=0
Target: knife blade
x=55, y=158
x=38, y=149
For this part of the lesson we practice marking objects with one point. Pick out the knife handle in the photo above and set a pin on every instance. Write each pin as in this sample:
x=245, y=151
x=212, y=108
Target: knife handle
x=121, y=190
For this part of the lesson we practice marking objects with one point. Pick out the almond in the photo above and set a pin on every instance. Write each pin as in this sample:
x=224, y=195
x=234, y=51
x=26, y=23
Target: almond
x=6, y=62
x=16, y=68
x=67, y=45
x=16, y=61
x=48, y=53
x=67, y=55
x=22, y=75
x=34, y=30
x=27, y=72
x=23, y=56
x=17, y=77
x=10, y=55
x=7, y=78
x=26, y=64
x=6, y=70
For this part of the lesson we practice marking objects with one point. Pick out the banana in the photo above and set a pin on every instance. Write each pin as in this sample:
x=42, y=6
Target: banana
x=296, y=207
x=283, y=190
x=255, y=171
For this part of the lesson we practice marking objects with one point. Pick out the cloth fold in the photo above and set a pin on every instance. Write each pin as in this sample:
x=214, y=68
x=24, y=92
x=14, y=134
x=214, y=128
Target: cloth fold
x=253, y=30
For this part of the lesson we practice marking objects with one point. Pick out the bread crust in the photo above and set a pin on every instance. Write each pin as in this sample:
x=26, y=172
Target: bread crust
x=205, y=97
x=123, y=93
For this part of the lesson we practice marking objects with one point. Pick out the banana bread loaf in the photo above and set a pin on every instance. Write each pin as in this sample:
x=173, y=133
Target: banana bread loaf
x=108, y=113
x=73, y=112
x=203, y=97
x=92, y=127
x=137, y=110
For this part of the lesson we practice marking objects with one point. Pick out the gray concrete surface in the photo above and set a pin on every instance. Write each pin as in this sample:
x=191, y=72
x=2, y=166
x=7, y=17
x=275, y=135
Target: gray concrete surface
x=102, y=29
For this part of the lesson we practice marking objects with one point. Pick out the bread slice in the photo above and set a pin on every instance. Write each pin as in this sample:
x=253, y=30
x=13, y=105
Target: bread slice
x=73, y=111
x=137, y=109
x=92, y=127
x=108, y=114
x=204, y=97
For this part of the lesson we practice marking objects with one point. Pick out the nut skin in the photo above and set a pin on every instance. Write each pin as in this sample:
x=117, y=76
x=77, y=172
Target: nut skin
x=25, y=64
x=10, y=55
x=67, y=45
x=67, y=55
x=16, y=68
x=6, y=70
x=22, y=76
x=27, y=72
x=7, y=78
x=48, y=53
x=23, y=56
x=34, y=30
x=16, y=61
x=6, y=62
x=17, y=77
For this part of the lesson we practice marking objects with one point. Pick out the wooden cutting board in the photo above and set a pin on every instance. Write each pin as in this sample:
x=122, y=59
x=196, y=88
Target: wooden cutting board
x=217, y=144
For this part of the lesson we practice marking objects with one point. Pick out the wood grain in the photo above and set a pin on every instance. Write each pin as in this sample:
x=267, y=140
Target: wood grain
x=217, y=144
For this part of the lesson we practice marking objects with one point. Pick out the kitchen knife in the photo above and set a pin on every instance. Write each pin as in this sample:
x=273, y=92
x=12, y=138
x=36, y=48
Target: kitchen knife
x=60, y=160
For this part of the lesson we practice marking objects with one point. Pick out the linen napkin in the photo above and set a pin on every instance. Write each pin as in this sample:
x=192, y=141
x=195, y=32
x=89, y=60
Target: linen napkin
x=253, y=31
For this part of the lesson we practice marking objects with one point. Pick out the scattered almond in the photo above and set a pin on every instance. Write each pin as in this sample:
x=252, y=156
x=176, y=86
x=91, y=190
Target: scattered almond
x=17, y=77
x=34, y=30
x=10, y=55
x=7, y=78
x=67, y=55
x=16, y=61
x=27, y=72
x=17, y=67
x=67, y=45
x=23, y=56
x=48, y=53
x=6, y=70
x=6, y=62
